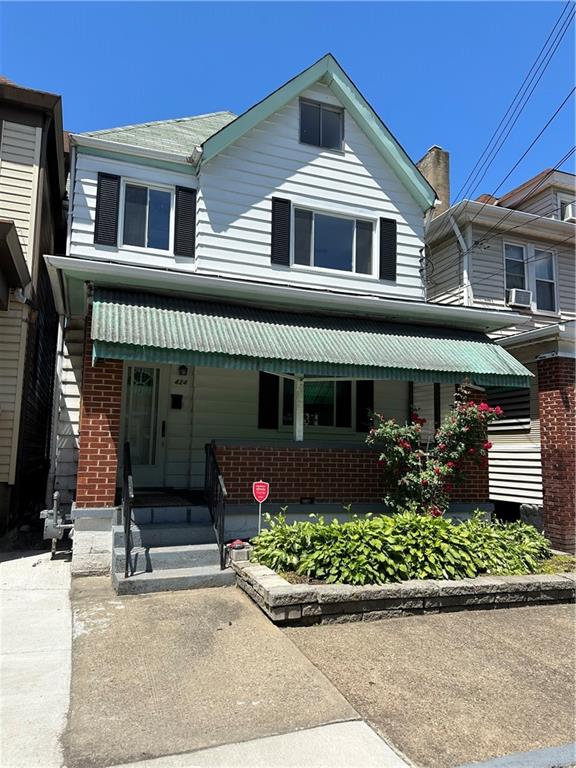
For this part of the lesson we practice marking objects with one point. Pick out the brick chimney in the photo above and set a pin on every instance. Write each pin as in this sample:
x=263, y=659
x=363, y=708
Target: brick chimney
x=435, y=167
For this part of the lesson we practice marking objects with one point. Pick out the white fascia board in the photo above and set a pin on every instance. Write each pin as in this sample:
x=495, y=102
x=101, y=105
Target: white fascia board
x=489, y=215
x=268, y=294
x=563, y=331
x=131, y=149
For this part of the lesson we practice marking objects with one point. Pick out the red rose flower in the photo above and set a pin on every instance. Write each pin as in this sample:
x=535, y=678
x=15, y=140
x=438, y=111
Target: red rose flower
x=498, y=411
x=442, y=447
x=450, y=464
x=487, y=445
x=484, y=407
x=435, y=511
x=471, y=450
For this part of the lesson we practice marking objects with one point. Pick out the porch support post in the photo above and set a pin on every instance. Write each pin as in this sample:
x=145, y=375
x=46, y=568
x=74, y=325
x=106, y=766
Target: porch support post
x=298, y=409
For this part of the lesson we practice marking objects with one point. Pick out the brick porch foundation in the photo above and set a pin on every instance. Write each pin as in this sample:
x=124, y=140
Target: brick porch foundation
x=328, y=474
x=556, y=399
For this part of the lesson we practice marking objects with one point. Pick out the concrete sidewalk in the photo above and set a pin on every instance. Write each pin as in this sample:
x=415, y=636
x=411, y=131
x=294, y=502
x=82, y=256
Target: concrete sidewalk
x=201, y=672
x=35, y=646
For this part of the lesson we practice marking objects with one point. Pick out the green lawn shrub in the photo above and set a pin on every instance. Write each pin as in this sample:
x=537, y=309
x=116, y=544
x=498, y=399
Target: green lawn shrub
x=408, y=545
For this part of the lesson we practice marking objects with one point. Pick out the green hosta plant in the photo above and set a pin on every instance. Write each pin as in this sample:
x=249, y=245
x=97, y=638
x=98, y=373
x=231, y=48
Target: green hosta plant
x=408, y=545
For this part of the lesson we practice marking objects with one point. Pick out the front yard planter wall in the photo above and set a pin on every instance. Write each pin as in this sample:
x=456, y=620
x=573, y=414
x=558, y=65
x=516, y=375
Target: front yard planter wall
x=287, y=603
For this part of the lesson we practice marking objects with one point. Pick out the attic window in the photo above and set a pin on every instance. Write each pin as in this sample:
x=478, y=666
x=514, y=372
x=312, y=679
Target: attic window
x=321, y=125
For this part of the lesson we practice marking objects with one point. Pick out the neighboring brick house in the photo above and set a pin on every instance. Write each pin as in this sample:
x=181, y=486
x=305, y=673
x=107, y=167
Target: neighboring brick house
x=32, y=189
x=250, y=289
x=516, y=254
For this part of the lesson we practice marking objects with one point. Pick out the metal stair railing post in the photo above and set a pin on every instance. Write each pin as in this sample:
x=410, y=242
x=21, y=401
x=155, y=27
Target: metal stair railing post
x=127, y=502
x=216, y=494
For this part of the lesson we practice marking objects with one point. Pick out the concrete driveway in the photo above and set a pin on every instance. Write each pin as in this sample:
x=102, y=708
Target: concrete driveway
x=456, y=688
x=183, y=672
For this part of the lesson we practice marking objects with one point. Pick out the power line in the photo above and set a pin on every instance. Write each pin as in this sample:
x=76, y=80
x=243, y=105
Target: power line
x=518, y=97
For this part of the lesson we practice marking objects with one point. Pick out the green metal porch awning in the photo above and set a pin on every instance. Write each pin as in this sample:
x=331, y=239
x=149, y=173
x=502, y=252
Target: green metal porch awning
x=167, y=329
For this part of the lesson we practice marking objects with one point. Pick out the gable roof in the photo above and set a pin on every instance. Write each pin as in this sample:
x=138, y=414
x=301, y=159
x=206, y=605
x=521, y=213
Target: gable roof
x=329, y=72
x=178, y=136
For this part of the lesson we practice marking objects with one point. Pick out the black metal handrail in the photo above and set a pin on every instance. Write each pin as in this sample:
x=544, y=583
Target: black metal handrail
x=127, y=502
x=215, y=491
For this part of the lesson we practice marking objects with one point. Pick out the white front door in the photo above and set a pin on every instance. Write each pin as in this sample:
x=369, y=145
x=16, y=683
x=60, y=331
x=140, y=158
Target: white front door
x=144, y=422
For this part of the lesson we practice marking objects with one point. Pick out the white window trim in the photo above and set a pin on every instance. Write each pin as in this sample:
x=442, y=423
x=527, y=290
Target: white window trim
x=318, y=428
x=528, y=249
x=563, y=197
x=143, y=248
x=329, y=270
x=333, y=108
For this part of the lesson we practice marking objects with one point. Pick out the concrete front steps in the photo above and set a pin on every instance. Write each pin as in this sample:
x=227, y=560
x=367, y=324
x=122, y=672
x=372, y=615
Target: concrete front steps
x=166, y=557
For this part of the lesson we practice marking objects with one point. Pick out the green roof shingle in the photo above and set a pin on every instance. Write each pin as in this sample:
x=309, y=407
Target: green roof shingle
x=178, y=136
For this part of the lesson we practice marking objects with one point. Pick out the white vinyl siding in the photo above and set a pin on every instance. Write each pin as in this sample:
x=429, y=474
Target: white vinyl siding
x=236, y=187
x=445, y=273
x=83, y=205
x=68, y=420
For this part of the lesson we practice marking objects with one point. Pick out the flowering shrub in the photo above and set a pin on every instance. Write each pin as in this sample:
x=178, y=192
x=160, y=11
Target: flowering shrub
x=424, y=479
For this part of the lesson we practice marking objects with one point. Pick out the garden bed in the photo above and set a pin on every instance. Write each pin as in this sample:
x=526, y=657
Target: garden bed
x=298, y=604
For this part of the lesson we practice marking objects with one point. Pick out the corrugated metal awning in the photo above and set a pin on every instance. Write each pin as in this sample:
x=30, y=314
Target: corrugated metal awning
x=162, y=329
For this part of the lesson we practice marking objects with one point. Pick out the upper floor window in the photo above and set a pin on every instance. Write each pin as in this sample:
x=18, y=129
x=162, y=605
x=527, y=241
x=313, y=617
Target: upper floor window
x=530, y=269
x=321, y=124
x=515, y=267
x=147, y=217
x=544, y=279
x=332, y=242
x=567, y=207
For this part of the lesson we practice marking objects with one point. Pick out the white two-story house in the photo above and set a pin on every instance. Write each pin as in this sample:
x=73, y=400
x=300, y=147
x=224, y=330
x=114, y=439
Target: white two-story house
x=238, y=295
x=515, y=254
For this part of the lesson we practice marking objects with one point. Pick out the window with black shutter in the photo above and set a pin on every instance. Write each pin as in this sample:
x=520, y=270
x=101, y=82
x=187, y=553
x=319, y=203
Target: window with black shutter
x=388, y=249
x=107, y=203
x=268, y=399
x=185, y=222
x=364, y=405
x=281, y=210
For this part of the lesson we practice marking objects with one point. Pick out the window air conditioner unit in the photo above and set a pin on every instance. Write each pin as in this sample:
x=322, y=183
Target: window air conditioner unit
x=517, y=297
x=570, y=213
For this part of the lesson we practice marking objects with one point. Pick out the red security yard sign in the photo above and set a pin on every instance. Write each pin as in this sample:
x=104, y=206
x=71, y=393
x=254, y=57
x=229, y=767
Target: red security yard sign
x=260, y=491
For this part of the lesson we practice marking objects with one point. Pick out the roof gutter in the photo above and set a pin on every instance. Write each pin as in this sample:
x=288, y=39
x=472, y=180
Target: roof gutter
x=487, y=214
x=277, y=294
x=130, y=149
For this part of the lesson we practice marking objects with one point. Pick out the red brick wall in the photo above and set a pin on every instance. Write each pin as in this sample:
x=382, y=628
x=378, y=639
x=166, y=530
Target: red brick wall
x=556, y=398
x=343, y=475
x=99, y=429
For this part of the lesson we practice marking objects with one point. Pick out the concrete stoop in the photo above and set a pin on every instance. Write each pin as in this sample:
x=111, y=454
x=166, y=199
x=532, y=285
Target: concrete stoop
x=167, y=558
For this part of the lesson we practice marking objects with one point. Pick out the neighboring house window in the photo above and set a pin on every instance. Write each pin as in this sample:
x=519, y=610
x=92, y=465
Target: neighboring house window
x=326, y=403
x=567, y=207
x=516, y=406
x=544, y=278
x=333, y=242
x=321, y=125
x=515, y=267
x=147, y=215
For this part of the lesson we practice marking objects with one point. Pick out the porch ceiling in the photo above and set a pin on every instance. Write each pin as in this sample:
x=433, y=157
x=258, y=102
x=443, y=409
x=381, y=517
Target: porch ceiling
x=137, y=326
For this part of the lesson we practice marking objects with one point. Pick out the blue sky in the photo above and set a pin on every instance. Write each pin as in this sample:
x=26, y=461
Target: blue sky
x=437, y=73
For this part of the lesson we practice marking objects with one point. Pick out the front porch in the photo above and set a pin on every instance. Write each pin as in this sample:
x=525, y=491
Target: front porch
x=280, y=397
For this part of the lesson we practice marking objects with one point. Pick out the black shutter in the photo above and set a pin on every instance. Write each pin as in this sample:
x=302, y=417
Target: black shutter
x=410, y=400
x=280, y=231
x=364, y=405
x=268, y=394
x=343, y=403
x=437, y=406
x=388, y=240
x=107, y=201
x=185, y=222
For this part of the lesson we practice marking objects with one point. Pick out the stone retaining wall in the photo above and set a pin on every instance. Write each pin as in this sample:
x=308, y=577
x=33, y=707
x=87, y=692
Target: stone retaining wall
x=287, y=603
